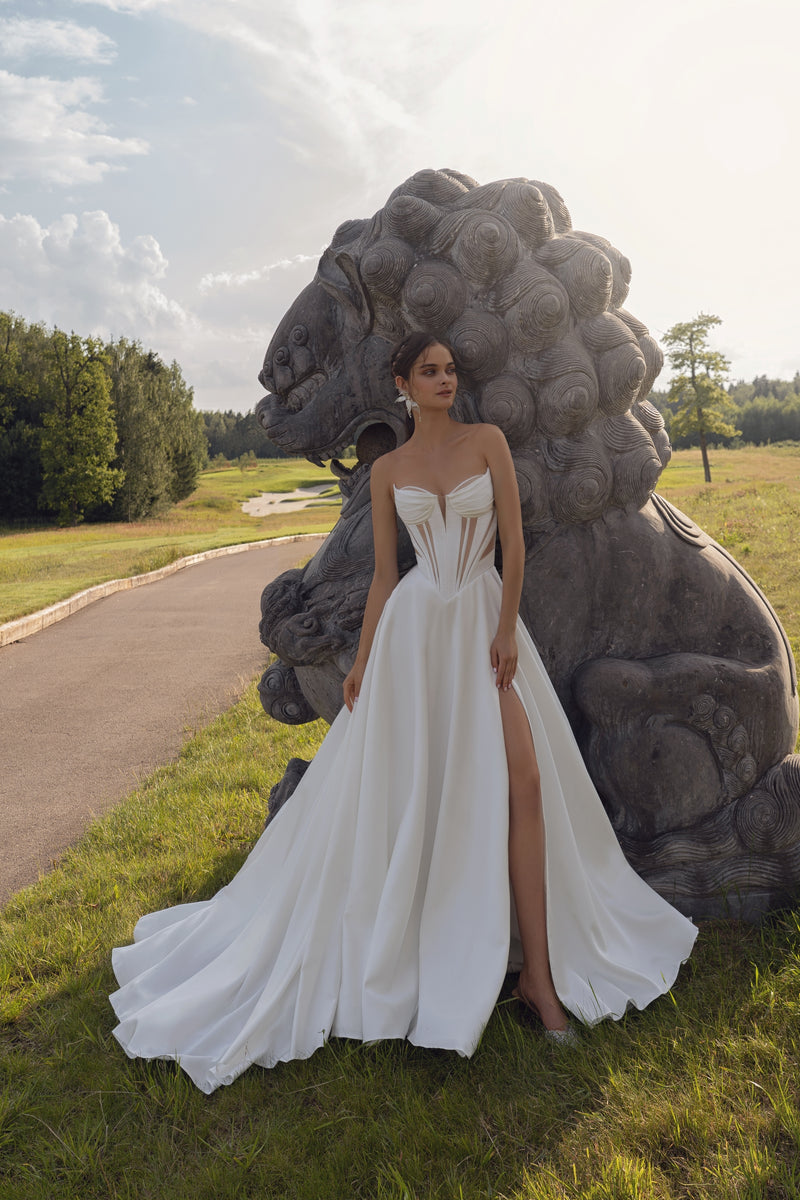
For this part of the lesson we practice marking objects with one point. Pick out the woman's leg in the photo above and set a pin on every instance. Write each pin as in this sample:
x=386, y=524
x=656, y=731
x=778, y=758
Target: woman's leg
x=526, y=861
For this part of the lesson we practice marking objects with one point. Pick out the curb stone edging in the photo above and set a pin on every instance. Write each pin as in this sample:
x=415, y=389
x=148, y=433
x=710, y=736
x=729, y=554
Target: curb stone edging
x=22, y=627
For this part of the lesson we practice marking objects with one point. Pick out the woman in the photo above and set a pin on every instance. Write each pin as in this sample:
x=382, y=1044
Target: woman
x=377, y=904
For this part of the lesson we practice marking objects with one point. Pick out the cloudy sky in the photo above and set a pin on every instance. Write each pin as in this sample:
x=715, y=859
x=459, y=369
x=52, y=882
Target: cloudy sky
x=171, y=170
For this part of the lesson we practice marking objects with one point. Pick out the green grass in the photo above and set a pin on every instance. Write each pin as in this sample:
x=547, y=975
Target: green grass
x=41, y=566
x=698, y=1097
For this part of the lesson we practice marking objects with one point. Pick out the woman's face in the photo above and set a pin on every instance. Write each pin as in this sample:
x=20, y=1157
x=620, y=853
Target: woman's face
x=433, y=378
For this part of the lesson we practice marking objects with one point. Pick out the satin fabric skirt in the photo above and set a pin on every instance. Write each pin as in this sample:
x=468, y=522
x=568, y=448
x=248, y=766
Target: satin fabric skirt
x=377, y=903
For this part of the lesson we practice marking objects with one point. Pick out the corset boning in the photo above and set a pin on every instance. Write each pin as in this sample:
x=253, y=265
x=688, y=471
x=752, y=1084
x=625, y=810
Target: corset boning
x=454, y=545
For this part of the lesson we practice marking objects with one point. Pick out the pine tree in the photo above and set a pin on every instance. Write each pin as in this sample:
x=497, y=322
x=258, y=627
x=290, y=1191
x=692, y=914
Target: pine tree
x=698, y=388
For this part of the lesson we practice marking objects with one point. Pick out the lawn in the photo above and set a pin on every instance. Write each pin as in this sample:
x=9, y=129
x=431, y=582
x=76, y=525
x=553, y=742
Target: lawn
x=40, y=566
x=698, y=1097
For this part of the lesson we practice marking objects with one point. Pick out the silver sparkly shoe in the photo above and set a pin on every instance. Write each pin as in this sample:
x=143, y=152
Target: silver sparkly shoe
x=563, y=1037
x=559, y=1037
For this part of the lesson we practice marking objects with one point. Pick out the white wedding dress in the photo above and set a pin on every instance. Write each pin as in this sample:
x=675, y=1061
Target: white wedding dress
x=377, y=903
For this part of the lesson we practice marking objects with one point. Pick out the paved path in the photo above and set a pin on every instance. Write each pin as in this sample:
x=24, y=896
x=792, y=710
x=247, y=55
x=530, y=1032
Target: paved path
x=92, y=705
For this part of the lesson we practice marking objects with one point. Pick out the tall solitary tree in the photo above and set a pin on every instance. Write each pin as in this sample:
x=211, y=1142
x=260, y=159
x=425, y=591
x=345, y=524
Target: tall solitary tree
x=703, y=403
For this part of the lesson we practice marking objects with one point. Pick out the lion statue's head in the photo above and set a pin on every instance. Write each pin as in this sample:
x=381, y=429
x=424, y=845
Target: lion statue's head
x=533, y=310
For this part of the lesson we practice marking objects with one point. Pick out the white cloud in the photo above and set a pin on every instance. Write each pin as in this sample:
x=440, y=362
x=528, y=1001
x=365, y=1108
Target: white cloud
x=349, y=80
x=23, y=37
x=49, y=134
x=127, y=6
x=231, y=279
x=77, y=268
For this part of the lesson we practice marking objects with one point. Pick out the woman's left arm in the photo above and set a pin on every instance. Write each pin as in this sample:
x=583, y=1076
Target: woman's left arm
x=509, y=526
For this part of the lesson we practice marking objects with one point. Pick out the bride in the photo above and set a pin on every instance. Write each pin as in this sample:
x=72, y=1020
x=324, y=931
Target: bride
x=448, y=798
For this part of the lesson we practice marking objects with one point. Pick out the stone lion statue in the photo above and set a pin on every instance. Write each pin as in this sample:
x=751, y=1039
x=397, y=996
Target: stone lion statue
x=672, y=666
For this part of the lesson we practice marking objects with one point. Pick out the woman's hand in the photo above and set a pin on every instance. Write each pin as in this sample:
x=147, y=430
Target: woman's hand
x=503, y=654
x=352, y=685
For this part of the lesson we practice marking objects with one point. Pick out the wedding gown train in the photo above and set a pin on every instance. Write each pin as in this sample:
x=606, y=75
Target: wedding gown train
x=377, y=903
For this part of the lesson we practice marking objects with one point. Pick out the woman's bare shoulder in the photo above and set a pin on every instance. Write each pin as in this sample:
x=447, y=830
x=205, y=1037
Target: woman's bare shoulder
x=488, y=435
x=384, y=471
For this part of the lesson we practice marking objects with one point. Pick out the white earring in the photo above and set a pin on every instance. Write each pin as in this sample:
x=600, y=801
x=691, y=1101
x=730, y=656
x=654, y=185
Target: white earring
x=405, y=398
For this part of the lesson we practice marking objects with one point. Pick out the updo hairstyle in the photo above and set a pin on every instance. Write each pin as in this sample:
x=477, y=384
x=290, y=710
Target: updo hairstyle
x=406, y=352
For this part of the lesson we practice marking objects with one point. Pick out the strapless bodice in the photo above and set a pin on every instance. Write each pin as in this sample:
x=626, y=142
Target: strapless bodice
x=453, y=535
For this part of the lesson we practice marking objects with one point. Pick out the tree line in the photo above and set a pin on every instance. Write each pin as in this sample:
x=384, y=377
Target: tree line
x=232, y=435
x=109, y=432
x=104, y=431
x=763, y=411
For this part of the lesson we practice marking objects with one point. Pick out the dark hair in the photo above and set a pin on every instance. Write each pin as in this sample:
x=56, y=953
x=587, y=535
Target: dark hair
x=406, y=353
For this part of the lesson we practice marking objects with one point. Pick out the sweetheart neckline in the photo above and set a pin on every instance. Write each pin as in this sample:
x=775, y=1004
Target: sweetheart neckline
x=414, y=487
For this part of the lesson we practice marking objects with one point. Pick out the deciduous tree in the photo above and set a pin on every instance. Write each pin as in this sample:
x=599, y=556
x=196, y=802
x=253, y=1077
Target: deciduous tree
x=22, y=373
x=51, y=392
x=188, y=450
x=141, y=428
x=79, y=435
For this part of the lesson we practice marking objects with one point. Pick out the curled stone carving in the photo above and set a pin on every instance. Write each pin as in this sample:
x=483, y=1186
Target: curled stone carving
x=386, y=265
x=581, y=477
x=670, y=662
x=411, y=217
x=539, y=313
x=486, y=247
x=584, y=272
x=480, y=342
x=282, y=696
x=532, y=483
x=620, y=266
x=526, y=209
x=435, y=294
x=568, y=391
x=768, y=818
x=507, y=401
x=731, y=743
x=638, y=465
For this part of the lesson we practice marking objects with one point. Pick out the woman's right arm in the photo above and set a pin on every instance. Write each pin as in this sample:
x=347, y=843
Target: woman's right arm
x=385, y=576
